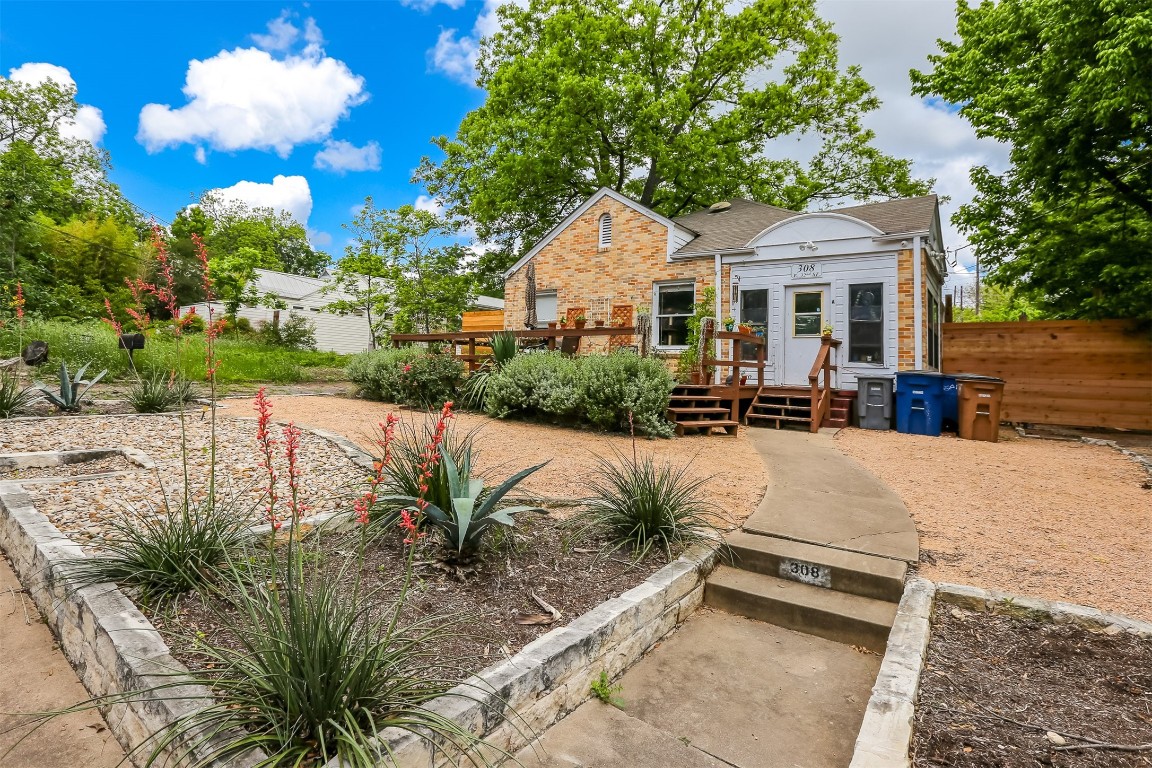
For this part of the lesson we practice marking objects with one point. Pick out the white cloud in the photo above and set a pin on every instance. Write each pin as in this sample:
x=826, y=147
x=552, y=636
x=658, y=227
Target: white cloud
x=426, y=5
x=282, y=34
x=285, y=193
x=430, y=204
x=248, y=98
x=455, y=54
x=89, y=122
x=201, y=156
x=343, y=156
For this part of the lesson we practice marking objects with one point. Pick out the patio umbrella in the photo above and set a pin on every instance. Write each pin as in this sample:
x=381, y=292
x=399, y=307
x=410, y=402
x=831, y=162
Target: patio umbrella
x=530, y=296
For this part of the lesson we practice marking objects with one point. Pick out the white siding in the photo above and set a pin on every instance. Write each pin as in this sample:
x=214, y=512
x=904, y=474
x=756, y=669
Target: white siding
x=345, y=334
x=837, y=272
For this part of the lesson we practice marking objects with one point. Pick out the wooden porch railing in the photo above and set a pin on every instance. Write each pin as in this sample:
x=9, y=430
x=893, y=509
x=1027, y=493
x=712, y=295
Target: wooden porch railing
x=822, y=396
x=464, y=343
x=730, y=391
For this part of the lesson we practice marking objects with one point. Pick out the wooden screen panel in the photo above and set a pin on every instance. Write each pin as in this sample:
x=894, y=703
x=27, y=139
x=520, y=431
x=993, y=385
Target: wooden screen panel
x=621, y=315
x=486, y=320
x=1071, y=372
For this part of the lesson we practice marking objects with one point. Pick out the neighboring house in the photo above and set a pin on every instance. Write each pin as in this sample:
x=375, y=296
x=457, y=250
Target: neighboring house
x=344, y=333
x=873, y=272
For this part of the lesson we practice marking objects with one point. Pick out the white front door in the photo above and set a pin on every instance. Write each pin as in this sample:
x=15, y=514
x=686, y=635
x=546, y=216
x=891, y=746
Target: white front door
x=806, y=311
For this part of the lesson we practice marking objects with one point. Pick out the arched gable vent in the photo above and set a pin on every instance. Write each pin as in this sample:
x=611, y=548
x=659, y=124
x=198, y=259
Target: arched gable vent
x=605, y=230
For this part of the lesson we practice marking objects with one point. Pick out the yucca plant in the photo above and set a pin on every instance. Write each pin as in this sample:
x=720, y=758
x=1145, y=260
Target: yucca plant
x=640, y=505
x=472, y=511
x=159, y=391
x=15, y=397
x=71, y=390
x=168, y=554
x=504, y=347
x=310, y=669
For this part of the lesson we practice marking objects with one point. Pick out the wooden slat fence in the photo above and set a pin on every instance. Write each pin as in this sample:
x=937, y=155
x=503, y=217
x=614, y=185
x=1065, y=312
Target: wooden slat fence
x=1070, y=372
x=482, y=320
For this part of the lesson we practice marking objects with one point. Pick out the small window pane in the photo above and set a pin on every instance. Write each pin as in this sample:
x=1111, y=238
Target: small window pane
x=754, y=306
x=676, y=300
x=672, y=331
x=808, y=302
x=807, y=325
x=865, y=323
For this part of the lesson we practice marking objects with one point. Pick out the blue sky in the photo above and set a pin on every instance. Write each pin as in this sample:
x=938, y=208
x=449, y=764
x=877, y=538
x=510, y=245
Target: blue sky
x=371, y=89
x=313, y=106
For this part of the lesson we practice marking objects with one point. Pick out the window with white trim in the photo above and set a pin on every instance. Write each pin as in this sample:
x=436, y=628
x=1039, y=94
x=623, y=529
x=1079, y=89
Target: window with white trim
x=933, y=332
x=673, y=304
x=605, y=231
x=545, y=307
x=866, y=323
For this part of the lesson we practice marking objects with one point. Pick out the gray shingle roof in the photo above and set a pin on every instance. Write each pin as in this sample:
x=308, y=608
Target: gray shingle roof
x=737, y=226
x=733, y=228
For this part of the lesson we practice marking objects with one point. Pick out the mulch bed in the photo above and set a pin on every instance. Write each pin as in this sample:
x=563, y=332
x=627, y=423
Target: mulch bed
x=484, y=603
x=994, y=686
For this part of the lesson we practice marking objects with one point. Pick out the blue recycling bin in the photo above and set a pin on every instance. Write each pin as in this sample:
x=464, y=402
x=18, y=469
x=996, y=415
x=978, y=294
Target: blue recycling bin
x=950, y=399
x=920, y=402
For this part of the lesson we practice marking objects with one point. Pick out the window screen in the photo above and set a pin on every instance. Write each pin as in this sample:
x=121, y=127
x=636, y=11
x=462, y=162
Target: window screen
x=545, y=307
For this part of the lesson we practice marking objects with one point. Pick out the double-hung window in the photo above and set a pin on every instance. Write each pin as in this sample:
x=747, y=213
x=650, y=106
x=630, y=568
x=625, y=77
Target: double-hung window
x=673, y=308
x=866, y=323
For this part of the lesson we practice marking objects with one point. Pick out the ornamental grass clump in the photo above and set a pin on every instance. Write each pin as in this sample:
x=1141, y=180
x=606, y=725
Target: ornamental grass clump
x=15, y=398
x=164, y=555
x=641, y=505
x=160, y=391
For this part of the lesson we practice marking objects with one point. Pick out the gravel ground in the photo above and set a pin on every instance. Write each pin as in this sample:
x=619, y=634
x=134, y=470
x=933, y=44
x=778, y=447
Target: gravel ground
x=1058, y=520
x=737, y=476
x=84, y=508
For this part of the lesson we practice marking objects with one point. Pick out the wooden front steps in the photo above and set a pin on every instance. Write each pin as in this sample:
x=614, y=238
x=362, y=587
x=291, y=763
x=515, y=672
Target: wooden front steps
x=693, y=407
x=792, y=406
x=849, y=597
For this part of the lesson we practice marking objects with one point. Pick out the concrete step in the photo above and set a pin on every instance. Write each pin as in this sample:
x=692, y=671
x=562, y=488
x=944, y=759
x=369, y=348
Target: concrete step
x=879, y=578
x=817, y=611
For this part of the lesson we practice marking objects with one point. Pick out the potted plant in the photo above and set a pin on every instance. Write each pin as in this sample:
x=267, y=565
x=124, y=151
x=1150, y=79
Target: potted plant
x=745, y=328
x=552, y=324
x=599, y=323
x=729, y=323
x=826, y=332
x=580, y=321
x=563, y=323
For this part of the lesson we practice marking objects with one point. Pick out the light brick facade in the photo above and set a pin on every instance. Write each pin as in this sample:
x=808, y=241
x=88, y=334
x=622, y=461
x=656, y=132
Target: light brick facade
x=597, y=280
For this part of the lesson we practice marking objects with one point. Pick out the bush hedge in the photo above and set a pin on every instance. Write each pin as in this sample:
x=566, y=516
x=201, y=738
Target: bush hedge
x=407, y=375
x=599, y=389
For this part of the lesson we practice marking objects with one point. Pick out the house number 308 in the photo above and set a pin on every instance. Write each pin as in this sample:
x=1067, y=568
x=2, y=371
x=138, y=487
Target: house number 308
x=807, y=269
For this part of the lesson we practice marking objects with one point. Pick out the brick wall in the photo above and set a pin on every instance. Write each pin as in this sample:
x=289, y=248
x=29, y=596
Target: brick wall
x=596, y=280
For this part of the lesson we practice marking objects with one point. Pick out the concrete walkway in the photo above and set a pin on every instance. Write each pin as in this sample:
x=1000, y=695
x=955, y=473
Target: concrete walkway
x=35, y=677
x=722, y=691
x=725, y=690
x=818, y=495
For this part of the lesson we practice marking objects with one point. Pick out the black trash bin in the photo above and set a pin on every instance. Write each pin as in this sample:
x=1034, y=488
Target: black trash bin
x=874, y=402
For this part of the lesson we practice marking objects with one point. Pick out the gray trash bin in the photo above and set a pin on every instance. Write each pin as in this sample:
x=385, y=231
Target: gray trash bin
x=874, y=401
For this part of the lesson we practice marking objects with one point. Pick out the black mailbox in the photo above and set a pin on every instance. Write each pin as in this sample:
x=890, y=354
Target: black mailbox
x=131, y=341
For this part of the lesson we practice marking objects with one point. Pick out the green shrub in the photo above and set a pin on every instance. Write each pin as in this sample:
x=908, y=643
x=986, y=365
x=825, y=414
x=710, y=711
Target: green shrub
x=193, y=323
x=640, y=505
x=297, y=332
x=159, y=391
x=377, y=372
x=543, y=385
x=430, y=380
x=600, y=389
x=243, y=325
x=612, y=386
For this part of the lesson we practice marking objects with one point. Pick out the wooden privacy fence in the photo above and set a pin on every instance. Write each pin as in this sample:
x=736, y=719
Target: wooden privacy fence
x=1071, y=372
x=483, y=320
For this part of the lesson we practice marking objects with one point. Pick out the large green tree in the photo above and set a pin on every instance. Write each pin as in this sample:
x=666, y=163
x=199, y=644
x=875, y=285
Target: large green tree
x=676, y=103
x=276, y=235
x=404, y=270
x=1068, y=85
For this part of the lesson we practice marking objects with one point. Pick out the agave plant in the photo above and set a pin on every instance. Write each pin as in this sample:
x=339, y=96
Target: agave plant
x=71, y=390
x=472, y=511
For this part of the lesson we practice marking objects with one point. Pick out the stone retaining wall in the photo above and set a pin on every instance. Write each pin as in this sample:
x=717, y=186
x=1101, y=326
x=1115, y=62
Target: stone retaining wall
x=512, y=703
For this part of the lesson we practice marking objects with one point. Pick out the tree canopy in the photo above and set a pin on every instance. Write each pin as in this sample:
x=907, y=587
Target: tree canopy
x=1066, y=83
x=676, y=103
x=404, y=271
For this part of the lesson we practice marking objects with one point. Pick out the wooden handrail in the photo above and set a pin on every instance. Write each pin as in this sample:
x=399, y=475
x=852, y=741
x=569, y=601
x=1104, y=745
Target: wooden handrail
x=469, y=339
x=822, y=398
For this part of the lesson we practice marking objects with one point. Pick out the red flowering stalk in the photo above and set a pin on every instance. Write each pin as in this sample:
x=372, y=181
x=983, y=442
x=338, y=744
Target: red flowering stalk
x=292, y=452
x=267, y=443
x=206, y=282
x=111, y=319
x=211, y=362
x=430, y=459
x=139, y=288
x=18, y=302
x=362, y=507
x=165, y=289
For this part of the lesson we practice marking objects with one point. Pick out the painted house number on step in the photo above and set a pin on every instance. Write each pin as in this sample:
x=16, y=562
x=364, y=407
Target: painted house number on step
x=807, y=573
